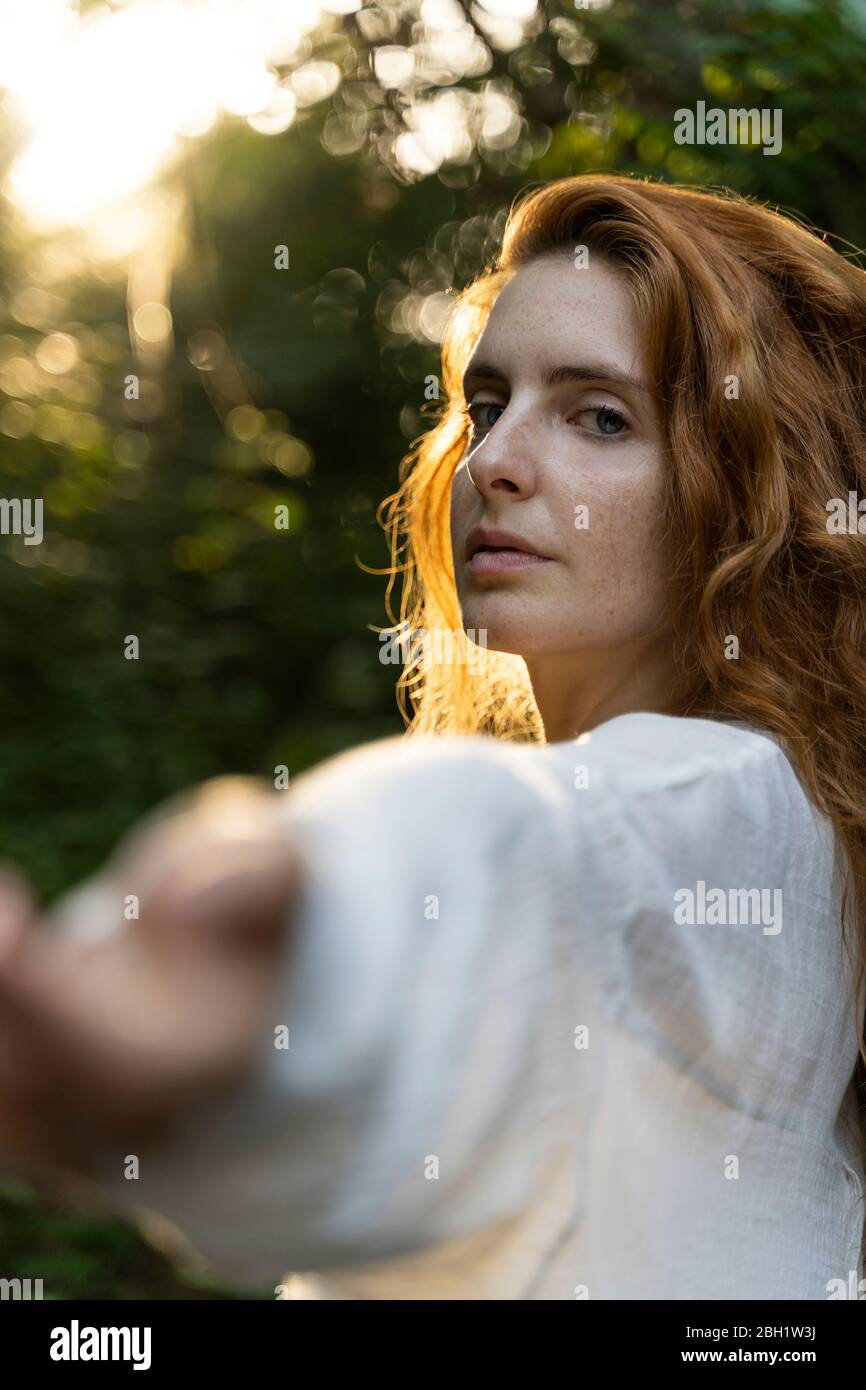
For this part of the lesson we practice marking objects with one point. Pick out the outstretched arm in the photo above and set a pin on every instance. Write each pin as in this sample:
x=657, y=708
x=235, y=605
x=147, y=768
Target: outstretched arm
x=421, y=1023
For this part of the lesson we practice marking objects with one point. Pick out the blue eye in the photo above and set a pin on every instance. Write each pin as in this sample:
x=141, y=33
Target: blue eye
x=476, y=414
x=608, y=421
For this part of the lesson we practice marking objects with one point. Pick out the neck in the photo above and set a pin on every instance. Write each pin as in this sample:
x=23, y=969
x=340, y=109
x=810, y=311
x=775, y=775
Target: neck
x=576, y=692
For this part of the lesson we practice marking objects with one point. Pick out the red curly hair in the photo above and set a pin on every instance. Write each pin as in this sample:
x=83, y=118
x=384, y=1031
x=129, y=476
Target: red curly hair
x=723, y=288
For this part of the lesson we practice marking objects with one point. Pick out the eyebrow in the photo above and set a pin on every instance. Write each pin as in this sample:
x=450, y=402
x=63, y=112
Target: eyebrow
x=584, y=371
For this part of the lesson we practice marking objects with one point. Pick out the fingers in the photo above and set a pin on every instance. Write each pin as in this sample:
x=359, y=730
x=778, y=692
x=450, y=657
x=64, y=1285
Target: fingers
x=17, y=908
x=224, y=808
x=37, y=1018
x=212, y=865
x=105, y=1045
x=235, y=895
x=118, y=1031
x=18, y=1066
x=95, y=1038
x=35, y=1054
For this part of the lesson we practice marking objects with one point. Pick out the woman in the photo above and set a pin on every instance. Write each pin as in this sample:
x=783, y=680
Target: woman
x=575, y=1010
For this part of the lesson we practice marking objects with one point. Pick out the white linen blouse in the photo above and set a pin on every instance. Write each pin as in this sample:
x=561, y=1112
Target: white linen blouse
x=564, y=1021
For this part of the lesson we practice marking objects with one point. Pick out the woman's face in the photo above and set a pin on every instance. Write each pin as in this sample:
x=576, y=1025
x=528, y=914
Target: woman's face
x=566, y=455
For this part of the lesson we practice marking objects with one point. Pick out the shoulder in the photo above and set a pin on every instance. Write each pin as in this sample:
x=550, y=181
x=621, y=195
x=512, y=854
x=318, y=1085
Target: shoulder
x=690, y=781
x=659, y=795
x=630, y=755
x=651, y=752
x=674, y=805
x=662, y=803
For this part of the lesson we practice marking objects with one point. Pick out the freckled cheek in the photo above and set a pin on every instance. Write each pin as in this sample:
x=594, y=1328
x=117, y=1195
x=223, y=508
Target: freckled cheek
x=461, y=492
x=620, y=533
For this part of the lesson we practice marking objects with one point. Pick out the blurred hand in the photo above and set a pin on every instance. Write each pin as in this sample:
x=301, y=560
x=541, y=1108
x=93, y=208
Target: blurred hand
x=105, y=1041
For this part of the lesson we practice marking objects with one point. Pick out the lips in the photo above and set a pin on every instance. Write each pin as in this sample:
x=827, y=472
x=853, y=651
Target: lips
x=495, y=553
x=482, y=538
x=491, y=562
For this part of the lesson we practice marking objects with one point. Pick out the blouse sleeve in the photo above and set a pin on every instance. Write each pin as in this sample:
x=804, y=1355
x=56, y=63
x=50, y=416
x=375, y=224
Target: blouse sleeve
x=474, y=914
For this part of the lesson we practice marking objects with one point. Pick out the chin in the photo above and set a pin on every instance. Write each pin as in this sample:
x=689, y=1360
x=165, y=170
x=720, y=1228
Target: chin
x=505, y=632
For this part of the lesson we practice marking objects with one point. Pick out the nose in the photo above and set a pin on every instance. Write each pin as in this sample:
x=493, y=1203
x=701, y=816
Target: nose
x=504, y=459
